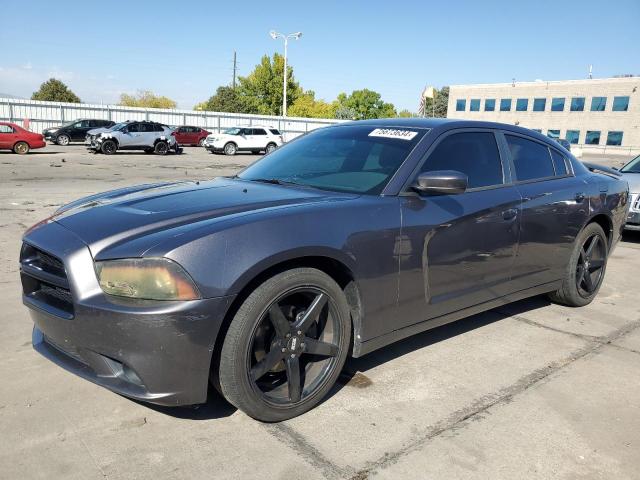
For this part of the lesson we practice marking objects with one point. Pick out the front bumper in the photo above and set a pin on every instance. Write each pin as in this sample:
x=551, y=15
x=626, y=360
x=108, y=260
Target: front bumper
x=50, y=136
x=633, y=221
x=153, y=351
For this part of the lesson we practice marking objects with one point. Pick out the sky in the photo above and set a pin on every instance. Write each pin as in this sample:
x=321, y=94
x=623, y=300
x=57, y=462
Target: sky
x=185, y=50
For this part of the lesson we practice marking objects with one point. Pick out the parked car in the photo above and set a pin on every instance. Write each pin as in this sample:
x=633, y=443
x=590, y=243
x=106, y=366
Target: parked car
x=13, y=137
x=186, y=135
x=253, y=139
x=152, y=137
x=631, y=173
x=74, y=131
x=344, y=240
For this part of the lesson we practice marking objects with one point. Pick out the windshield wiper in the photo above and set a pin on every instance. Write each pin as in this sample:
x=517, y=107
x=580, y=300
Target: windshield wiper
x=274, y=181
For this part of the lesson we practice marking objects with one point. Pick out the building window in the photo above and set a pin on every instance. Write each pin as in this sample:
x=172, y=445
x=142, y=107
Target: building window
x=539, y=104
x=592, y=138
x=461, y=105
x=557, y=104
x=553, y=134
x=522, y=104
x=505, y=105
x=489, y=104
x=614, y=138
x=474, y=105
x=620, y=104
x=577, y=104
x=598, y=104
x=573, y=136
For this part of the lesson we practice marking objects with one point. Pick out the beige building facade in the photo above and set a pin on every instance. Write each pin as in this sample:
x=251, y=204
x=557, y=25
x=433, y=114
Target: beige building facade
x=592, y=114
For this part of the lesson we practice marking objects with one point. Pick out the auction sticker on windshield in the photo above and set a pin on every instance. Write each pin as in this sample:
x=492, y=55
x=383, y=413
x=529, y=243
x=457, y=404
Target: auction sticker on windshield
x=393, y=133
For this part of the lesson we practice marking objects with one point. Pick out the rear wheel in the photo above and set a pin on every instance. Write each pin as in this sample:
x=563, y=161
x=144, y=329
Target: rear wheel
x=108, y=147
x=271, y=147
x=201, y=142
x=286, y=345
x=21, y=148
x=230, y=149
x=161, y=148
x=63, y=140
x=586, y=268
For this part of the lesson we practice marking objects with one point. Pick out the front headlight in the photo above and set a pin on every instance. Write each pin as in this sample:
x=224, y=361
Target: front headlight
x=146, y=278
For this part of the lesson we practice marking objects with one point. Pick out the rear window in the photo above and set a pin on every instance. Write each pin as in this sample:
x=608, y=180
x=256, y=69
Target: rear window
x=274, y=131
x=6, y=129
x=531, y=159
x=359, y=159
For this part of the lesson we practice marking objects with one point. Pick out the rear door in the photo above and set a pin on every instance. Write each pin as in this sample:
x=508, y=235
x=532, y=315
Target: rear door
x=457, y=251
x=7, y=136
x=554, y=208
x=260, y=138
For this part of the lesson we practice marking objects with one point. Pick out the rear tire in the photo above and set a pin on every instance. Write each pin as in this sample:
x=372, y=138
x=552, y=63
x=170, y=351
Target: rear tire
x=271, y=147
x=585, y=271
x=161, y=148
x=201, y=142
x=109, y=147
x=63, y=140
x=286, y=345
x=21, y=148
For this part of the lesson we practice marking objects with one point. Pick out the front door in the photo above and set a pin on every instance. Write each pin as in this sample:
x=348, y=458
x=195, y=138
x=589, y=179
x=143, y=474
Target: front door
x=130, y=136
x=7, y=136
x=457, y=251
x=80, y=129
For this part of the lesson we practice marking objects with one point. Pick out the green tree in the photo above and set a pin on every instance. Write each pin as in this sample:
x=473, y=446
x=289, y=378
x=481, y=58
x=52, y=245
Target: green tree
x=226, y=99
x=407, y=114
x=441, y=102
x=306, y=105
x=54, y=90
x=365, y=104
x=261, y=91
x=147, y=99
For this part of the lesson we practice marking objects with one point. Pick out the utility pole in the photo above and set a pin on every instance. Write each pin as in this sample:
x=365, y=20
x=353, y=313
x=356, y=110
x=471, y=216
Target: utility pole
x=235, y=69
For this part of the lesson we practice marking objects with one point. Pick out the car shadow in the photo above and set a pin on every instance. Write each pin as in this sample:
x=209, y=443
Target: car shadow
x=630, y=236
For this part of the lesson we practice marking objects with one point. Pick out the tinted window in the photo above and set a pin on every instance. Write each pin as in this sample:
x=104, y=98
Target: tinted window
x=274, y=131
x=133, y=127
x=598, y=104
x=559, y=163
x=592, y=138
x=614, y=138
x=577, y=104
x=83, y=124
x=6, y=129
x=259, y=131
x=522, y=104
x=531, y=159
x=557, y=104
x=620, y=104
x=146, y=127
x=474, y=154
x=158, y=127
x=489, y=104
x=461, y=105
x=573, y=136
x=505, y=104
x=474, y=105
x=539, y=104
x=553, y=133
x=338, y=158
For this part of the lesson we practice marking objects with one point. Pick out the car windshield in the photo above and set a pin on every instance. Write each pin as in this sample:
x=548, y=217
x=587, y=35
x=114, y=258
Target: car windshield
x=354, y=158
x=118, y=126
x=232, y=131
x=632, y=167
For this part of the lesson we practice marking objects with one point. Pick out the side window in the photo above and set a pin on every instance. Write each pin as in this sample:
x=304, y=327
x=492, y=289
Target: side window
x=133, y=127
x=6, y=129
x=259, y=131
x=473, y=153
x=83, y=124
x=559, y=163
x=274, y=131
x=158, y=128
x=531, y=159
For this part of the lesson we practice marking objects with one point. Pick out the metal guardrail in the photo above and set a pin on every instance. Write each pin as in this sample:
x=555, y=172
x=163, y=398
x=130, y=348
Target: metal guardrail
x=41, y=115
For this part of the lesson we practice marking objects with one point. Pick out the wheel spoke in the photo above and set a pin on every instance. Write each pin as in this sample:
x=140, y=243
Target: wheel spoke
x=588, y=283
x=580, y=274
x=595, y=265
x=267, y=363
x=278, y=320
x=594, y=240
x=312, y=313
x=293, y=378
x=316, y=347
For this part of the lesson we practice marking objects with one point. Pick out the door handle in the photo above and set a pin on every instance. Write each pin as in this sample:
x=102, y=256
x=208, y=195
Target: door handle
x=580, y=197
x=509, y=214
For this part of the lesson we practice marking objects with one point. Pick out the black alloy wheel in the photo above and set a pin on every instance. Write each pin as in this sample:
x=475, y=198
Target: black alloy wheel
x=590, y=266
x=161, y=148
x=109, y=147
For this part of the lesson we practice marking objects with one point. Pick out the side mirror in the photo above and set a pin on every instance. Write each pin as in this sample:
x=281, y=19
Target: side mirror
x=441, y=182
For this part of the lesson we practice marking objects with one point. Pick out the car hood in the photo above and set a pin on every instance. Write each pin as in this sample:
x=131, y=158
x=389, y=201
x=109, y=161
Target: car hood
x=96, y=131
x=633, y=179
x=110, y=219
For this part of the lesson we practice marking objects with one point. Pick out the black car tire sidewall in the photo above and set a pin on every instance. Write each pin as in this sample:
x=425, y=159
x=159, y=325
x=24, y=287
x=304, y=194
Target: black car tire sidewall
x=232, y=375
x=15, y=148
x=63, y=136
x=161, y=148
x=107, y=151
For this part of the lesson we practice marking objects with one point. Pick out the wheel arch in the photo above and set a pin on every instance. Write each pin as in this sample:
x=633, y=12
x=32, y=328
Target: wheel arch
x=605, y=222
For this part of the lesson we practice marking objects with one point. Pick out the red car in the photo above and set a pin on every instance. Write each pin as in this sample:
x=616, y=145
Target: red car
x=186, y=135
x=13, y=137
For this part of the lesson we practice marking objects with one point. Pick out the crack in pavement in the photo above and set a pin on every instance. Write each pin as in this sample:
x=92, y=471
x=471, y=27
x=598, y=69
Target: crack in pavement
x=299, y=444
x=588, y=338
x=458, y=419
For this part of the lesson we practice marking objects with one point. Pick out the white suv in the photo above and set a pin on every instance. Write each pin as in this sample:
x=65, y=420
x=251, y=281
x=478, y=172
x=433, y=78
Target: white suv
x=255, y=139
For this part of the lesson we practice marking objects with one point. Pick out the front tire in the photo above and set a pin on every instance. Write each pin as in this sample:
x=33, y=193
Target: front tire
x=21, y=148
x=286, y=345
x=586, y=268
x=109, y=147
x=63, y=140
x=201, y=142
x=230, y=149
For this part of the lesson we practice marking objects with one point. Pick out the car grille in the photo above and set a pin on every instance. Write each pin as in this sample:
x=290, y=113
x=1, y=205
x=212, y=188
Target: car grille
x=635, y=202
x=44, y=281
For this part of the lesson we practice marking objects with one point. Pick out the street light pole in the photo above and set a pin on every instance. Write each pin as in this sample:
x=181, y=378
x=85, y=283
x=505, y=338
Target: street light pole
x=275, y=35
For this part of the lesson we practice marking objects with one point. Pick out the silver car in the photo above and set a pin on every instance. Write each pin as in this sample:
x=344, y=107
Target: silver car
x=152, y=137
x=631, y=173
